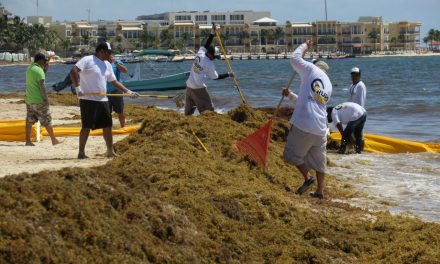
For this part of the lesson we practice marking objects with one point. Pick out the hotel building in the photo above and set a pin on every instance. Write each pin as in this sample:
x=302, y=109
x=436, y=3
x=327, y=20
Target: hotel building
x=245, y=31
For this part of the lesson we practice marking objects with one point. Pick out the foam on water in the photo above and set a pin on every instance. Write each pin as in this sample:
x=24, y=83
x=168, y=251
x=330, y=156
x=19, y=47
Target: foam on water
x=409, y=182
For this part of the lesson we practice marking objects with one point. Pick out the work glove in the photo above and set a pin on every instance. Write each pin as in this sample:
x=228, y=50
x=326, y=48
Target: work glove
x=79, y=92
x=286, y=91
x=132, y=94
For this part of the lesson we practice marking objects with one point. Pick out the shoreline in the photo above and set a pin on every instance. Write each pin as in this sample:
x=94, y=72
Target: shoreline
x=271, y=56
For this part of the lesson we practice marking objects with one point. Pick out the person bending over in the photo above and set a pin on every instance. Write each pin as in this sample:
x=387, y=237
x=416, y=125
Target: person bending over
x=353, y=116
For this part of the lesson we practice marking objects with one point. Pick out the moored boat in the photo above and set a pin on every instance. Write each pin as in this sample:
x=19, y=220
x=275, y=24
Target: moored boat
x=169, y=82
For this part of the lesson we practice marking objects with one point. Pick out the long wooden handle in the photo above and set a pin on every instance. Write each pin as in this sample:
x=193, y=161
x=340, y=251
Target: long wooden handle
x=229, y=67
x=129, y=95
x=282, y=97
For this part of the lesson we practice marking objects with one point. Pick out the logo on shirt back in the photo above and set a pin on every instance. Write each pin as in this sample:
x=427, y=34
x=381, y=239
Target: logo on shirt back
x=318, y=89
x=339, y=106
x=196, y=65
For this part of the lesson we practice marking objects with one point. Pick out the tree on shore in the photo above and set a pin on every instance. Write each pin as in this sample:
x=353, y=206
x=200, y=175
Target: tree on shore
x=375, y=36
x=433, y=35
x=15, y=35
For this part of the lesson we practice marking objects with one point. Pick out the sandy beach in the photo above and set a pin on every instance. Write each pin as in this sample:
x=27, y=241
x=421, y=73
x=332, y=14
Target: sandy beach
x=18, y=158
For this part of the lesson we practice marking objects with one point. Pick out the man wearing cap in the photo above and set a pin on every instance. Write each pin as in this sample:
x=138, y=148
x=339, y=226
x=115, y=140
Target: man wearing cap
x=95, y=71
x=353, y=116
x=306, y=143
x=197, y=95
x=357, y=91
x=37, y=102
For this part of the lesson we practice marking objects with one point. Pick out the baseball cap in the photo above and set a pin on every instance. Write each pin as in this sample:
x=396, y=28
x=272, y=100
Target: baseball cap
x=40, y=56
x=355, y=70
x=105, y=46
x=322, y=65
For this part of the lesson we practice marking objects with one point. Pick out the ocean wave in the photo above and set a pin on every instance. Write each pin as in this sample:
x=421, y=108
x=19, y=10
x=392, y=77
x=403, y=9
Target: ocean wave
x=404, y=109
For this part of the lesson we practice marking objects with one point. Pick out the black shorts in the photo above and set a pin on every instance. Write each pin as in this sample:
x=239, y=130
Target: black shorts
x=95, y=114
x=116, y=103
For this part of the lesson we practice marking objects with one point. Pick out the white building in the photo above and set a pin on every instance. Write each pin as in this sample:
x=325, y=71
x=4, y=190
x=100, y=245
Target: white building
x=205, y=17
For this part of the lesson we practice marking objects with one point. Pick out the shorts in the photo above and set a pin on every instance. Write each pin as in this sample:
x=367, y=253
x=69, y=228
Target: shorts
x=302, y=147
x=38, y=112
x=197, y=98
x=95, y=114
x=116, y=103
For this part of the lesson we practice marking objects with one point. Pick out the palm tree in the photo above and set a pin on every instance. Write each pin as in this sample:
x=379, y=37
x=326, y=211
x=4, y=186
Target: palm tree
x=278, y=35
x=65, y=44
x=242, y=36
x=433, y=35
x=167, y=38
x=145, y=38
x=374, y=35
x=263, y=36
x=402, y=39
x=185, y=37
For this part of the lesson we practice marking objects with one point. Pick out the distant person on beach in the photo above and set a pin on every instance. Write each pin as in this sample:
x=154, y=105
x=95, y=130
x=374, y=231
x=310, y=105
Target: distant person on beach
x=353, y=116
x=117, y=102
x=306, y=143
x=37, y=102
x=358, y=91
x=95, y=71
x=197, y=95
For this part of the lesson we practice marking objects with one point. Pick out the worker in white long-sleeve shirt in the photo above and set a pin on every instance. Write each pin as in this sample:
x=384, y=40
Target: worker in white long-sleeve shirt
x=353, y=116
x=358, y=91
x=197, y=95
x=306, y=143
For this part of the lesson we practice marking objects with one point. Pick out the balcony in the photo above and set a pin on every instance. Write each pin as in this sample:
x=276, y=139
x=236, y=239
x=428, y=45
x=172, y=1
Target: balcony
x=237, y=22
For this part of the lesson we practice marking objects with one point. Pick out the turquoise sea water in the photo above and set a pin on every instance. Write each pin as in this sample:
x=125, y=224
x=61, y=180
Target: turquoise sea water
x=403, y=101
x=403, y=93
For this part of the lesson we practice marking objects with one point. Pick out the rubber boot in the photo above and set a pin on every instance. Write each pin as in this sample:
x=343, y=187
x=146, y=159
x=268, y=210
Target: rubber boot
x=359, y=148
x=343, y=146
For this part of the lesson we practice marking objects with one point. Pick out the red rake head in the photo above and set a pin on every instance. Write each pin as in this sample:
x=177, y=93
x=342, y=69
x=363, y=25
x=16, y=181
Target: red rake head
x=255, y=146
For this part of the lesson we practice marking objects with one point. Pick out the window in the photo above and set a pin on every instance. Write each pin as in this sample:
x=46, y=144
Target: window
x=237, y=17
x=202, y=18
x=218, y=17
x=68, y=33
x=183, y=18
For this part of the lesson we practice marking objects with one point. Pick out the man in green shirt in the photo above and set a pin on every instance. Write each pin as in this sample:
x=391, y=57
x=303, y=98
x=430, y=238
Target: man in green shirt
x=37, y=103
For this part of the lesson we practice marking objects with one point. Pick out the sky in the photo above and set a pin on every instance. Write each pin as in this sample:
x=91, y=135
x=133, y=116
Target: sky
x=425, y=11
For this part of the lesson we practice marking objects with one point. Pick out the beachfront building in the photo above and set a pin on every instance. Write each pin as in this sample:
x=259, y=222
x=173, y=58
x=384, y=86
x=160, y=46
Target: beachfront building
x=245, y=32
x=404, y=35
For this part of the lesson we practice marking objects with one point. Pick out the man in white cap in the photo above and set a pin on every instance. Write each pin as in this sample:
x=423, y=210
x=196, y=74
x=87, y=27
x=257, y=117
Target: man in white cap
x=358, y=91
x=197, y=95
x=306, y=143
x=95, y=71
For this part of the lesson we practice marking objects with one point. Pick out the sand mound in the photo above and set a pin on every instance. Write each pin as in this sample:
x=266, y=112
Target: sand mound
x=165, y=200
